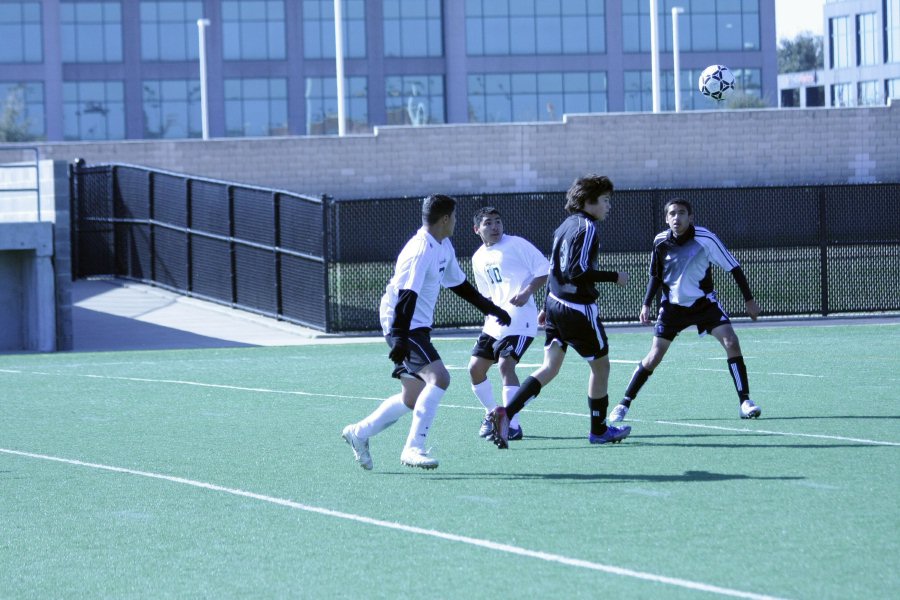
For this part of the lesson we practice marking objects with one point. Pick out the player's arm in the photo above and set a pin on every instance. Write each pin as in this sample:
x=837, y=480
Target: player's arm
x=741, y=280
x=467, y=292
x=403, y=314
x=653, y=285
x=525, y=293
x=583, y=243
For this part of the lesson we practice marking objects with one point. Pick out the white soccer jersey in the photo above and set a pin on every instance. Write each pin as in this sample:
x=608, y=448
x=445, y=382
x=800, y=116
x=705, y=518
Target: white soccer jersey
x=503, y=270
x=685, y=268
x=424, y=265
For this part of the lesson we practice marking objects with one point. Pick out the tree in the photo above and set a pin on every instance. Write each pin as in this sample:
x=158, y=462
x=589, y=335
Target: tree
x=13, y=123
x=803, y=53
x=740, y=100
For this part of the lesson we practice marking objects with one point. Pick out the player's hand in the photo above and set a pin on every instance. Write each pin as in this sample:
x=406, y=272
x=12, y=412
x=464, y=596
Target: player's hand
x=622, y=281
x=542, y=318
x=753, y=309
x=520, y=299
x=399, y=351
x=645, y=315
x=501, y=315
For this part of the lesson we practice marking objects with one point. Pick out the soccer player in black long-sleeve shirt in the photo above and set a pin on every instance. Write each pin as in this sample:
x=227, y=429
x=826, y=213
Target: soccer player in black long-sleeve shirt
x=681, y=266
x=571, y=316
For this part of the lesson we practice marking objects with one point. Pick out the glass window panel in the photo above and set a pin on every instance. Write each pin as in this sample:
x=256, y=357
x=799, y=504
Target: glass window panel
x=524, y=107
x=496, y=33
x=524, y=41
x=576, y=35
x=549, y=35
x=703, y=32
x=729, y=31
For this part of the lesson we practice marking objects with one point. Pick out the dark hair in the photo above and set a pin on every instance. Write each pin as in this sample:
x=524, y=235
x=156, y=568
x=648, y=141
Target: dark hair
x=586, y=190
x=482, y=212
x=680, y=202
x=436, y=206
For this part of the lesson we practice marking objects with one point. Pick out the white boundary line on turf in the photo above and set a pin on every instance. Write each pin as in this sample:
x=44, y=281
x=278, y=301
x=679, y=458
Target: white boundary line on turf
x=545, y=556
x=538, y=411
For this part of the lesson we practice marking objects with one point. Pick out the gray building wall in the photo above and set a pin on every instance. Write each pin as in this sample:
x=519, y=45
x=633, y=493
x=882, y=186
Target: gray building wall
x=639, y=150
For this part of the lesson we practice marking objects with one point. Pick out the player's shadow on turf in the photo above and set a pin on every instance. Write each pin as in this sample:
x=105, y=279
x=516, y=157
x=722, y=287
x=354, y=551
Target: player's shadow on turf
x=686, y=477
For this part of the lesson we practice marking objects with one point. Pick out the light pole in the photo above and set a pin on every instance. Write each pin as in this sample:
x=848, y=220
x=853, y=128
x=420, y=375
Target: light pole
x=339, y=63
x=202, y=24
x=676, y=59
x=654, y=54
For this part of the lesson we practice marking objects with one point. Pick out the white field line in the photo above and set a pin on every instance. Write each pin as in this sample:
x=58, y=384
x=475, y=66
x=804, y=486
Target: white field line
x=545, y=556
x=545, y=412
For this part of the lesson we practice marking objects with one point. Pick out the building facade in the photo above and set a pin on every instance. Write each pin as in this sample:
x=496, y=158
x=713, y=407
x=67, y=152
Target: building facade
x=862, y=58
x=129, y=69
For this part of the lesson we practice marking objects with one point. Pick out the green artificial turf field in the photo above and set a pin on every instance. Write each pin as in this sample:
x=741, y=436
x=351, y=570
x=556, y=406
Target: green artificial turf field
x=221, y=473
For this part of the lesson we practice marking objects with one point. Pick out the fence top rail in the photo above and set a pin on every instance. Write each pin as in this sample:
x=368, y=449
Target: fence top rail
x=245, y=186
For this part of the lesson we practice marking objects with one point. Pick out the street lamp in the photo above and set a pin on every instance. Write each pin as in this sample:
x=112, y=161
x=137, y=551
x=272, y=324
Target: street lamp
x=339, y=63
x=676, y=59
x=202, y=24
x=654, y=54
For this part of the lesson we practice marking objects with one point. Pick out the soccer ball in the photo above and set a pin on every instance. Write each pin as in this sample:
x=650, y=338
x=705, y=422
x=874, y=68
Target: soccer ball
x=716, y=82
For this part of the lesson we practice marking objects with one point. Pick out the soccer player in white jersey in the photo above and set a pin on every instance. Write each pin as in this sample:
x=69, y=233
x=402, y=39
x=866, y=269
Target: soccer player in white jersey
x=509, y=270
x=681, y=266
x=426, y=263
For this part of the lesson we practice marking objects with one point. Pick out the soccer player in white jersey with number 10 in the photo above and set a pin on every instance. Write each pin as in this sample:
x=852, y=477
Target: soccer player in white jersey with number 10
x=509, y=270
x=681, y=266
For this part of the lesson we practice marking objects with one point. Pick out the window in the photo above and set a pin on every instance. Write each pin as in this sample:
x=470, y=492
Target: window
x=515, y=97
x=21, y=39
x=892, y=89
x=842, y=94
x=169, y=29
x=256, y=107
x=866, y=43
x=413, y=28
x=839, y=31
x=892, y=30
x=23, y=104
x=868, y=94
x=321, y=105
x=253, y=30
x=705, y=25
x=93, y=110
x=505, y=27
x=414, y=99
x=172, y=108
x=318, y=28
x=91, y=32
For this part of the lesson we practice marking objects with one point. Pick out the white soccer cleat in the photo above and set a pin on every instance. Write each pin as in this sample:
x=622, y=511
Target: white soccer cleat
x=416, y=457
x=749, y=410
x=617, y=415
x=360, y=447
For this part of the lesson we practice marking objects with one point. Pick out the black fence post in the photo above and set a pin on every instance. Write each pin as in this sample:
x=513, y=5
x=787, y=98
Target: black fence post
x=74, y=203
x=823, y=247
x=327, y=237
x=232, y=247
x=276, y=248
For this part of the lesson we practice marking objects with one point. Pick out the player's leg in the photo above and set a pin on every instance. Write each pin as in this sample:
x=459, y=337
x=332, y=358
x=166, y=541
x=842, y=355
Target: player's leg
x=738, y=370
x=510, y=353
x=668, y=324
x=480, y=362
x=510, y=379
x=554, y=354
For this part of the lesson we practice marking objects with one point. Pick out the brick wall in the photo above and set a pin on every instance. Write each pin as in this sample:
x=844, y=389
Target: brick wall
x=639, y=150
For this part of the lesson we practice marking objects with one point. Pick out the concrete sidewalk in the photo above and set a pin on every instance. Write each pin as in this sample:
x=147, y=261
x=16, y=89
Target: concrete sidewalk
x=119, y=315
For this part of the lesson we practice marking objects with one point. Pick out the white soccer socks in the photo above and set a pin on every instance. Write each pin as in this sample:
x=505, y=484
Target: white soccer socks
x=485, y=394
x=382, y=417
x=508, y=392
x=423, y=416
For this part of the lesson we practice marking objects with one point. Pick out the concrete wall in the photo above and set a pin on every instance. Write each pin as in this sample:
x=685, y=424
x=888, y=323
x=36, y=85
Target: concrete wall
x=697, y=148
x=35, y=258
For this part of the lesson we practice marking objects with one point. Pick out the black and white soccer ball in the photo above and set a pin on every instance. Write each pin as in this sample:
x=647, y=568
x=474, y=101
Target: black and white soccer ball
x=716, y=82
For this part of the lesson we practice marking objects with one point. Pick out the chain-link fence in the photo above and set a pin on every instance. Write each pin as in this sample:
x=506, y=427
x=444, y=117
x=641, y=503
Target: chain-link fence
x=806, y=250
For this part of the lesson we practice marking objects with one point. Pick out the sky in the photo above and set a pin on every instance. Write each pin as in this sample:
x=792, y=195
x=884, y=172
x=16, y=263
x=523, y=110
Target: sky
x=795, y=16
